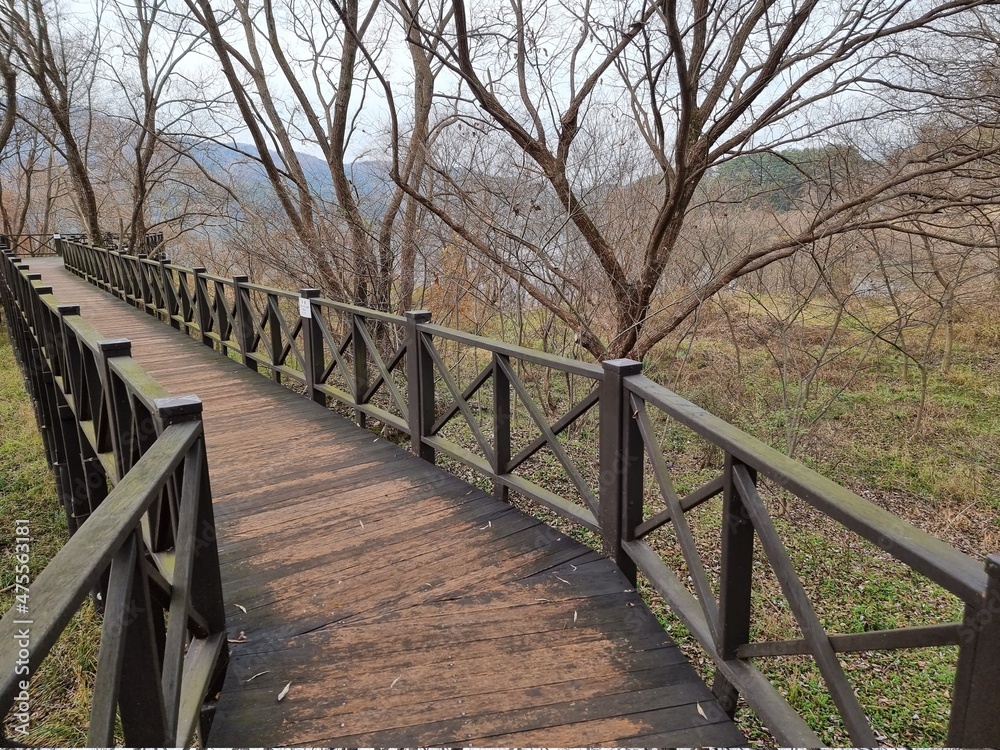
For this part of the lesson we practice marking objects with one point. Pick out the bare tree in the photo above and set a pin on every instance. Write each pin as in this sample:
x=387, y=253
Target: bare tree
x=156, y=115
x=60, y=65
x=689, y=87
x=8, y=92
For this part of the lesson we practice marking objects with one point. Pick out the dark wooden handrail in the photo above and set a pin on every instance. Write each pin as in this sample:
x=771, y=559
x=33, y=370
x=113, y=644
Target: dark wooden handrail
x=390, y=370
x=129, y=461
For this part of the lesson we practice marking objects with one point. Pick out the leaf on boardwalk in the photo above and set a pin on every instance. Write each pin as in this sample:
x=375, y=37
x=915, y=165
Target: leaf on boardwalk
x=241, y=608
x=284, y=692
x=701, y=712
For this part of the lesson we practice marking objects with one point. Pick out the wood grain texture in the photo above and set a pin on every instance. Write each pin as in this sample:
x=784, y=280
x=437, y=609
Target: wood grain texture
x=404, y=606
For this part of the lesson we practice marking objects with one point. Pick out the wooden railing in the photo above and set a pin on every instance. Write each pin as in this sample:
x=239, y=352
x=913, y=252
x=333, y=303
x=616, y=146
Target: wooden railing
x=132, y=476
x=29, y=245
x=392, y=369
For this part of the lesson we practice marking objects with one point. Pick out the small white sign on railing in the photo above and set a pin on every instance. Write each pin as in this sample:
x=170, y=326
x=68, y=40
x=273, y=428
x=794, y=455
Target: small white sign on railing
x=305, y=307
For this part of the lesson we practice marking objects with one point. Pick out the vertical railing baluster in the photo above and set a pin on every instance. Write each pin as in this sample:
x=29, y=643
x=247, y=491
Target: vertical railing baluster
x=140, y=697
x=420, y=385
x=621, y=463
x=141, y=290
x=360, y=368
x=244, y=322
x=188, y=308
x=312, y=345
x=274, y=334
x=71, y=475
x=135, y=288
x=976, y=694
x=501, y=425
x=140, y=270
x=128, y=281
x=41, y=380
x=119, y=412
x=77, y=471
x=202, y=306
x=222, y=316
x=49, y=402
x=110, y=659
x=113, y=285
x=121, y=275
x=735, y=582
x=169, y=296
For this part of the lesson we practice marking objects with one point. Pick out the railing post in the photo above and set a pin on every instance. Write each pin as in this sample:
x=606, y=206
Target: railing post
x=420, y=385
x=976, y=695
x=501, y=425
x=360, y=367
x=312, y=344
x=169, y=298
x=735, y=582
x=204, y=589
x=244, y=325
x=621, y=463
x=201, y=305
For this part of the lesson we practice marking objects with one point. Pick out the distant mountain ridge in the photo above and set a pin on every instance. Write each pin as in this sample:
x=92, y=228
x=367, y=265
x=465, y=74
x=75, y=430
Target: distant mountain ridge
x=370, y=178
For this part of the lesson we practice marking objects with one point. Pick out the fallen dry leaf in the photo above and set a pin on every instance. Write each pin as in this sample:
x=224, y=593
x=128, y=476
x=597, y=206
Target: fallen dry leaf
x=266, y=671
x=284, y=692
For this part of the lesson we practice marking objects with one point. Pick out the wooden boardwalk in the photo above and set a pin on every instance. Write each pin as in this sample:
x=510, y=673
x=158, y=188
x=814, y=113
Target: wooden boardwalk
x=404, y=606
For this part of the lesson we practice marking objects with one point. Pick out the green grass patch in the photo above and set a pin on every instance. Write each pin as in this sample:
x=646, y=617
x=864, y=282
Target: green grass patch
x=61, y=689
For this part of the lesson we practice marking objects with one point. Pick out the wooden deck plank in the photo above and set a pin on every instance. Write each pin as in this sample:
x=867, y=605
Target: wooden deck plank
x=405, y=606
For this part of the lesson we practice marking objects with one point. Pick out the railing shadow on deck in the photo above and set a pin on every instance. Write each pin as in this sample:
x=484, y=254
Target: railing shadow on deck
x=132, y=475
x=390, y=369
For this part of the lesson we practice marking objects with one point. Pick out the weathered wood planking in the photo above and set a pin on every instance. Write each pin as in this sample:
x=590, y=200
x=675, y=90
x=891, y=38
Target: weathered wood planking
x=404, y=606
